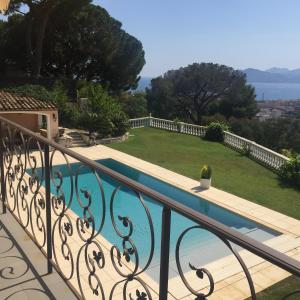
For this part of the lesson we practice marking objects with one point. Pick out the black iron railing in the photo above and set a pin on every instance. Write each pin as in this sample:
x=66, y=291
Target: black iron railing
x=73, y=242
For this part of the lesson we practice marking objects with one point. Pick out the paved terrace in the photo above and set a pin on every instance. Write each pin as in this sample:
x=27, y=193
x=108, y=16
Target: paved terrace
x=23, y=267
x=230, y=280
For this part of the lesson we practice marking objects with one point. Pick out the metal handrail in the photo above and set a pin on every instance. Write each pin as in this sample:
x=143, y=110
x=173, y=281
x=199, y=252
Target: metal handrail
x=275, y=257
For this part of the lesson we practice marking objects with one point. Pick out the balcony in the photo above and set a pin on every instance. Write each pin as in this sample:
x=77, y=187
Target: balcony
x=66, y=238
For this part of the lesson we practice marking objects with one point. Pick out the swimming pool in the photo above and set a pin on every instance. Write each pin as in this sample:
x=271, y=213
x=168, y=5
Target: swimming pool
x=199, y=246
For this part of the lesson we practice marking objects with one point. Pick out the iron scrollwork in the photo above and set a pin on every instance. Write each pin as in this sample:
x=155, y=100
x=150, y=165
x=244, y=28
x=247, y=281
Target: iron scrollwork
x=129, y=251
x=23, y=182
x=62, y=228
x=88, y=230
x=37, y=203
x=200, y=272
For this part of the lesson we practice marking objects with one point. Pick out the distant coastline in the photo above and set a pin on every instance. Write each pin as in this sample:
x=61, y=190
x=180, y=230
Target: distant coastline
x=264, y=90
x=276, y=90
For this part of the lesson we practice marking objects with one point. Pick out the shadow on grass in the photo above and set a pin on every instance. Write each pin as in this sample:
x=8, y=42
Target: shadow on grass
x=287, y=185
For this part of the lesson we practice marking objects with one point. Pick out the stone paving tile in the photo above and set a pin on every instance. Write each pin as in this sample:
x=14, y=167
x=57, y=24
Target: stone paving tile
x=24, y=268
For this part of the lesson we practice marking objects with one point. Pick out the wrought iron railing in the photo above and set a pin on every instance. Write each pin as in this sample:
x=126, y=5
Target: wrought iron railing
x=72, y=239
x=260, y=153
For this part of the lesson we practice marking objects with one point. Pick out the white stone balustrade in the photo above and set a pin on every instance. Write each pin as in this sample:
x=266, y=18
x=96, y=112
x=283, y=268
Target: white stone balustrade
x=262, y=154
x=258, y=152
x=138, y=123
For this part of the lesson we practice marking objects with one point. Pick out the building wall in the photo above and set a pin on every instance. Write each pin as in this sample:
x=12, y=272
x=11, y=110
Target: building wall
x=53, y=123
x=29, y=121
x=32, y=121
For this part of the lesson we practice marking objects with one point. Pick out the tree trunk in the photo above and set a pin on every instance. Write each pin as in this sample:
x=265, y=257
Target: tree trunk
x=39, y=41
x=41, y=18
x=29, y=53
x=199, y=117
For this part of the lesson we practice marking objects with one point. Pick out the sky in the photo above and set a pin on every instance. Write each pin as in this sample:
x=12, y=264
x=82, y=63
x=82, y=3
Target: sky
x=239, y=33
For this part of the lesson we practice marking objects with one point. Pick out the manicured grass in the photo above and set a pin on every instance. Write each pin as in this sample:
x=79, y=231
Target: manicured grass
x=232, y=172
x=281, y=289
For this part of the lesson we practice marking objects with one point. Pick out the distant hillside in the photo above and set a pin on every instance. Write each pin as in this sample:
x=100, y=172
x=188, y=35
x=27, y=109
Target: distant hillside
x=282, y=75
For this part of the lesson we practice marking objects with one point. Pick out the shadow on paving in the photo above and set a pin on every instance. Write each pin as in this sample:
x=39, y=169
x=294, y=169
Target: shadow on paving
x=23, y=268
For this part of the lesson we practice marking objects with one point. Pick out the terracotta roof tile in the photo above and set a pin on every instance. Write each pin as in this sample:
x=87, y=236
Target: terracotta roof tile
x=11, y=102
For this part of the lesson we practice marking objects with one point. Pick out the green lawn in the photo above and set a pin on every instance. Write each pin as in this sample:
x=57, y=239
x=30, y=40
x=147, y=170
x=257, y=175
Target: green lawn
x=232, y=172
x=281, y=289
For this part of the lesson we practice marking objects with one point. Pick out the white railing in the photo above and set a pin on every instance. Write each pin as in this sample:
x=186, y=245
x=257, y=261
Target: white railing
x=262, y=154
x=258, y=152
x=138, y=123
x=163, y=124
x=192, y=129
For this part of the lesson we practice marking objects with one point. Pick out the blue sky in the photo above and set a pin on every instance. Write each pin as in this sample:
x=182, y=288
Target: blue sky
x=238, y=33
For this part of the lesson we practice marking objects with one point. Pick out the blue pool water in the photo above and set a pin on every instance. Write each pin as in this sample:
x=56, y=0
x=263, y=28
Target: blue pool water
x=198, y=247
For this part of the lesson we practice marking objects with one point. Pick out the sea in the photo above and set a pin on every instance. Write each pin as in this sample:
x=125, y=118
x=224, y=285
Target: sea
x=264, y=90
x=276, y=91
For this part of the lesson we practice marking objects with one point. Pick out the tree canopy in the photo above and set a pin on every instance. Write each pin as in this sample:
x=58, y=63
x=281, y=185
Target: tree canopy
x=93, y=46
x=35, y=23
x=201, y=89
x=134, y=104
x=276, y=134
x=82, y=42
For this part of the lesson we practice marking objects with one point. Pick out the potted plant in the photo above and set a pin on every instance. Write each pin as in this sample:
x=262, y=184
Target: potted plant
x=205, y=179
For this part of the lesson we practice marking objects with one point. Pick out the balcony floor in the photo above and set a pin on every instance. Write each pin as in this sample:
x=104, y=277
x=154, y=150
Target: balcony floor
x=23, y=267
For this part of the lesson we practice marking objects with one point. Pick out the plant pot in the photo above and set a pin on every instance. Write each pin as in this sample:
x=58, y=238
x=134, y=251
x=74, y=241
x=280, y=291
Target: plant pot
x=205, y=183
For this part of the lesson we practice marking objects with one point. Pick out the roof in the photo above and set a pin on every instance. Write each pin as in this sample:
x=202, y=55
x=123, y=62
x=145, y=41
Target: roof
x=14, y=102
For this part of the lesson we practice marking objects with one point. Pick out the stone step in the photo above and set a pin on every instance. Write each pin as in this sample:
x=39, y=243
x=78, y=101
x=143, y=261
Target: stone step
x=77, y=141
x=78, y=145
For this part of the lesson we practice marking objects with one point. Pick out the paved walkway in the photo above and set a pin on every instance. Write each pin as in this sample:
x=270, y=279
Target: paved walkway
x=23, y=268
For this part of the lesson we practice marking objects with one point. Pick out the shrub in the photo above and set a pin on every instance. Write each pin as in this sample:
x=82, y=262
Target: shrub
x=176, y=122
x=83, y=87
x=69, y=117
x=246, y=150
x=288, y=153
x=206, y=172
x=104, y=115
x=290, y=171
x=120, y=123
x=96, y=123
x=215, y=132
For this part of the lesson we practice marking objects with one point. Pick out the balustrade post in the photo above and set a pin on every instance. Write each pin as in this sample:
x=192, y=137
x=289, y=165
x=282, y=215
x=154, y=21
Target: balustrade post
x=48, y=207
x=3, y=186
x=150, y=120
x=165, y=254
x=181, y=127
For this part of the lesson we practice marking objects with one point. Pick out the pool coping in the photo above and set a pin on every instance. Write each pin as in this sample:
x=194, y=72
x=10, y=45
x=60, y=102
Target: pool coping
x=255, y=212
x=235, y=283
